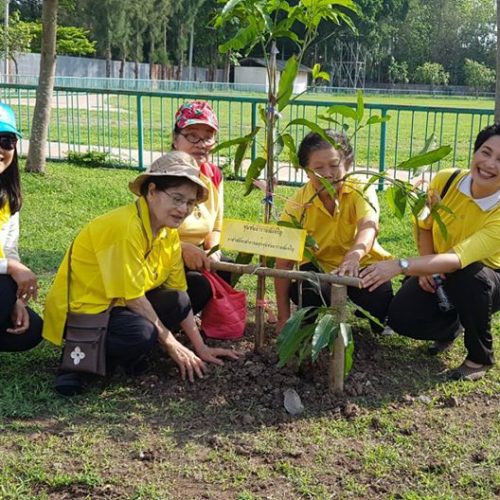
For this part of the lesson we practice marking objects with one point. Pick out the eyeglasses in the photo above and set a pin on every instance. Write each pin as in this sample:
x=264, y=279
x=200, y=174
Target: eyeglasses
x=195, y=139
x=8, y=142
x=178, y=201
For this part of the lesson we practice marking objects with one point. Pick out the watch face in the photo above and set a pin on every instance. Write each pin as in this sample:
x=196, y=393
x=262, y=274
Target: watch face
x=404, y=264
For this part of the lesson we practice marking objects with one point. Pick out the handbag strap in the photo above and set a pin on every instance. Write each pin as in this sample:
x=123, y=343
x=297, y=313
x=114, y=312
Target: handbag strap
x=450, y=180
x=68, y=309
x=139, y=213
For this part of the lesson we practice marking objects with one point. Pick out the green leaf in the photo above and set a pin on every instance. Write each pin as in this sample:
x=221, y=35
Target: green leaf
x=360, y=108
x=242, y=150
x=345, y=111
x=378, y=119
x=286, y=82
x=291, y=336
x=424, y=159
x=428, y=143
x=245, y=38
x=328, y=186
x=311, y=125
x=228, y=144
x=241, y=258
x=279, y=144
x=329, y=119
x=230, y=6
x=317, y=74
x=346, y=332
x=253, y=173
x=292, y=150
x=396, y=199
x=282, y=33
x=322, y=334
x=214, y=249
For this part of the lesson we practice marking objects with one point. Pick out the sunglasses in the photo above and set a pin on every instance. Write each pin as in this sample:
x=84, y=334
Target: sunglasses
x=8, y=142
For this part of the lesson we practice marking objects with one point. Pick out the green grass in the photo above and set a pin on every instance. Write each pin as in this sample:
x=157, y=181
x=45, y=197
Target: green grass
x=89, y=447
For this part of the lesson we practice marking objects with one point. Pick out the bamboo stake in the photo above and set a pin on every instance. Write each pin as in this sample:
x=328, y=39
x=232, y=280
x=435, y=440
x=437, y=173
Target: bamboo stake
x=337, y=358
x=284, y=273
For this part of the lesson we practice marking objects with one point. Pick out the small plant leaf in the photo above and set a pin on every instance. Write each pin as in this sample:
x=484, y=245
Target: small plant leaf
x=360, y=108
x=292, y=150
x=396, y=199
x=346, y=332
x=345, y=111
x=254, y=170
x=322, y=334
x=286, y=82
x=424, y=159
x=377, y=119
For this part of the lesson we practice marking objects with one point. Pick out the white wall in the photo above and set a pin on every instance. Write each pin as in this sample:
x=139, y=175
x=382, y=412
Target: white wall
x=247, y=75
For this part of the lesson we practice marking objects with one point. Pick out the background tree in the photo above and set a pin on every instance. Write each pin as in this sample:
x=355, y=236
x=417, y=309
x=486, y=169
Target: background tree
x=17, y=39
x=432, y=74
x=478, y=76
x=41, y=114
x=398, y=72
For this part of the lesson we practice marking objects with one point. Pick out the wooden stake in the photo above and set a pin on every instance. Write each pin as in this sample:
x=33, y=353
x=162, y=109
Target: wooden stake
x=337, y=358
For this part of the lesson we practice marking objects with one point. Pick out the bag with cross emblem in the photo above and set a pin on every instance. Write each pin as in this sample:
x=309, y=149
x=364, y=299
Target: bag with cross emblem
x=85, y=337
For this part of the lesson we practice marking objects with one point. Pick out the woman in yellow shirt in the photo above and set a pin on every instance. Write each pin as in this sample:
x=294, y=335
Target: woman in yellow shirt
x=344, y=227
x=468, y=262
x=133, y=255
x=20, y=327
x=195, y=131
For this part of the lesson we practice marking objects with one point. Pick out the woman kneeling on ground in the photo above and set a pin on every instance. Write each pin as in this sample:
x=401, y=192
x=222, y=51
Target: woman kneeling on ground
x=467, y=260
x=344, y=227
x=133, y=255
x=20, y=327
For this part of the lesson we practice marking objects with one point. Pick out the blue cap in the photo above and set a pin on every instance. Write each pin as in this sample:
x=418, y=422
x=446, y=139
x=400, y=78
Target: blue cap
x=8, y=120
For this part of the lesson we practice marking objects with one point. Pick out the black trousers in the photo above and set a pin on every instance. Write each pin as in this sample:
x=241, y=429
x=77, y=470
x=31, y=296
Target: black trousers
x=131, y=336
x=199, y=289
x=8, y=341
x=376, y=302
x=475, y=293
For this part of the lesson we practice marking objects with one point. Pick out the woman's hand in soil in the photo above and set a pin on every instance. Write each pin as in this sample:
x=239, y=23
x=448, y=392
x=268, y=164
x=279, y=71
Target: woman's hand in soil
x=212, y=354
x=187, y=361
x=20, y=319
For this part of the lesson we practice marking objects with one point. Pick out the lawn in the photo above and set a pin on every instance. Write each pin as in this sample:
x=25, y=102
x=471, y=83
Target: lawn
x=400, y=431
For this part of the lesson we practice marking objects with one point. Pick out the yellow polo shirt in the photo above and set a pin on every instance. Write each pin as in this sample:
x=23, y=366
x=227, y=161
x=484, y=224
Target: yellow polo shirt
x=473, y=233
x=114, y=257
x=4, y=218
x=206, y=217
x=335, y=234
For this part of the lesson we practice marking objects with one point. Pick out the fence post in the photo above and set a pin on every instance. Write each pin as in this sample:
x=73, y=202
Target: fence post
x=254, y=124
x=140, y=132
x=383, y=139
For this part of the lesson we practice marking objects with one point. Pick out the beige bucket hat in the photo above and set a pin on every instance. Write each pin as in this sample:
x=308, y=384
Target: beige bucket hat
x=175, y=164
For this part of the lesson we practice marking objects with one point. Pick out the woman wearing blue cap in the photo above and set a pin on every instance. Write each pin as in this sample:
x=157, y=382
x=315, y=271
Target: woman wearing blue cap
x=20, y=327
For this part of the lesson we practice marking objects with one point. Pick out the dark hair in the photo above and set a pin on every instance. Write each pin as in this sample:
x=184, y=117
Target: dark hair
x=175, y=133
x=485, y=134
x=10, y=186
x=314, y=142
x=164, y=182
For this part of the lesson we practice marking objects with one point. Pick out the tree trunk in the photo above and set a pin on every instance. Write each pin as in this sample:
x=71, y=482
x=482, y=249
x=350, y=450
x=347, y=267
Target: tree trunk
x=108, y=58
x=41, y=115
x=122, y=67
x=497, y=86
x=151, y=60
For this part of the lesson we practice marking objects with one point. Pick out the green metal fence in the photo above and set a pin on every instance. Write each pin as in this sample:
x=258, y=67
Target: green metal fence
x=134, y=127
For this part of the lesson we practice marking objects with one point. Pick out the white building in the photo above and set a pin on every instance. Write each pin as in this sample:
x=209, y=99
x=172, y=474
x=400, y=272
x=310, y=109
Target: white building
x=252, y=72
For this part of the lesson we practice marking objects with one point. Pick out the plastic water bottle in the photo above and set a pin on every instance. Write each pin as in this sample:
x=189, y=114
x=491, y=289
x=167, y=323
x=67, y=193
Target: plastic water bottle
x=444, y=303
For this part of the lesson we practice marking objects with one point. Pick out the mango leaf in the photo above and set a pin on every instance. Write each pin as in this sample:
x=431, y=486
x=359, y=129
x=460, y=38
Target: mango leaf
x=282, y=33
x=286, y=82
x=318, y=74
x=424, y=159
x=311, y=257
x=291, y=336
x=242, y=150
x=307, y=123
x=345, y=111
x=230, y=6
x=253, y=173
x=418, y=206
x=214, y=249
x=279, y=144
x=360, y=108
x=346, y=332
x=377, y=119
x=292, y=150
x=396, y=199
x=372, y=180
x=228, y=144
x=328, y=186
x=325, y=329
x=428, y=143
x=245, y=38
x=287, y=223
x=311, y=242
x=329, y=119
x=263, y=114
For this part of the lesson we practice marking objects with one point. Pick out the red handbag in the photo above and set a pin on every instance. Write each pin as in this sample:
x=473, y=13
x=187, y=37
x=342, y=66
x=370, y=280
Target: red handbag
x=225, y=315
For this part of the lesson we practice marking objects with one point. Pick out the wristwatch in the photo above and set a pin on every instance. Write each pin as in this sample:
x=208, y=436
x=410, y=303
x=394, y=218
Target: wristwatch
x=404, y=265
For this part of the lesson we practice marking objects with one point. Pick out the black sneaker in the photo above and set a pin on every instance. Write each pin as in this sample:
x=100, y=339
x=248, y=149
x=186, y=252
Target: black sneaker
x=68, y=384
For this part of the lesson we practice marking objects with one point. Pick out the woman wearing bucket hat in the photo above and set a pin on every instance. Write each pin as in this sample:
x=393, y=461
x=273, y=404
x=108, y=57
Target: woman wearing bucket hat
x=195, y=132
x=20, y=327
x=132, y=256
